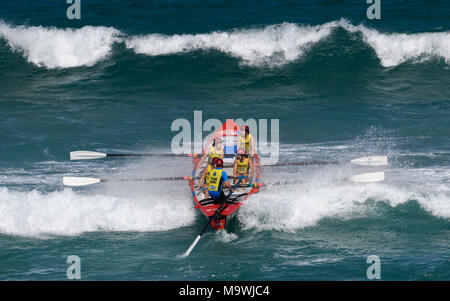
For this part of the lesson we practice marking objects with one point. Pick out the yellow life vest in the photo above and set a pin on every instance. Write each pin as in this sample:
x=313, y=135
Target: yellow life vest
x=214, y=154
x=207, y=174
x=242, y=167
x=214, y=179
x=246, y=142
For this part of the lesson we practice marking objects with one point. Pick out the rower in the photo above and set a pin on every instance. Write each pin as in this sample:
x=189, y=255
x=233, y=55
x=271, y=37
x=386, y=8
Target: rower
x=215, y=151
x=247, y=142
x=218, y=179
x=241, y=168
x=204, y=178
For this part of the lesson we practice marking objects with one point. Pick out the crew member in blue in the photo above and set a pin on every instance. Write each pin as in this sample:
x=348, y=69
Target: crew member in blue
x=218, y=179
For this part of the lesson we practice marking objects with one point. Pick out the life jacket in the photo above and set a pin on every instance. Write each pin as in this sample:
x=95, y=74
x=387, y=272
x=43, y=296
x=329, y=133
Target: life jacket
x=242, y=167
x=207, y=174
x=214, y=154
x=214, y=175
x=246, y=142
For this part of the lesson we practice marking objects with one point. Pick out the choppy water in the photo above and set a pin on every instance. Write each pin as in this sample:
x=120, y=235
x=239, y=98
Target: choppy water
x=341, y=85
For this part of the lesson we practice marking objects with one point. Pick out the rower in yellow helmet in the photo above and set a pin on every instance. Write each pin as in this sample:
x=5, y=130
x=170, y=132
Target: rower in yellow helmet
x=242, y=166
x=217, y=179
x=247, y=142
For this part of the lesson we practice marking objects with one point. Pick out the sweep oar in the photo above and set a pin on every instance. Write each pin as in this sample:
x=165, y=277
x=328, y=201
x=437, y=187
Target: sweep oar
x=218, y=211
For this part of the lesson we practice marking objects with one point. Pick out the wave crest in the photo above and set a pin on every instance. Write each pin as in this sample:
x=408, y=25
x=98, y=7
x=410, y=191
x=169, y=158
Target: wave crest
x=272, y=45
x=61, y=48
x=396, y=48
x=65, y=212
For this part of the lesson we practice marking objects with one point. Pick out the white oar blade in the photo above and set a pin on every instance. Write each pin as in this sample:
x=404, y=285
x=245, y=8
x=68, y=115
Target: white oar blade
x=86, y=155
x=77, y=181
x=370, y=177
x=186, y=254
x=371, y=161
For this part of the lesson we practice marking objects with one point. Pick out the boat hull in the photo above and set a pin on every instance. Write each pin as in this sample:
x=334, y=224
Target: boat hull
x=229, y=132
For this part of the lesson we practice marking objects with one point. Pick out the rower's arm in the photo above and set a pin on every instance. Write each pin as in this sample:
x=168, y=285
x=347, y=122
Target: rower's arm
x=235, y=167
x=203, y=158
x=202, y=178
x=250, y=164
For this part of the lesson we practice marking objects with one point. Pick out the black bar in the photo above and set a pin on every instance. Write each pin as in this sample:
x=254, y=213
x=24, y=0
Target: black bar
x=223, y=289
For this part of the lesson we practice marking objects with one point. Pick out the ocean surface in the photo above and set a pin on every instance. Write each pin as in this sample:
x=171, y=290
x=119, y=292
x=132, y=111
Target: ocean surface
x=341, y=85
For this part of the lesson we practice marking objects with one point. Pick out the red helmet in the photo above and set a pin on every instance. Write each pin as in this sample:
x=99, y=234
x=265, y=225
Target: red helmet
x=219, y=162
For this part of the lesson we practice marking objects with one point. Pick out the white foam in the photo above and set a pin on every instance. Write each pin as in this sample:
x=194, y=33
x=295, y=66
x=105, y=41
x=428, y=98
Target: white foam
x=270, y=45
x=283, y=43
x=273, y=45
x=68, y=213
x=60, y=48
x=292, y=207
x=396, y=48
x=226, y=237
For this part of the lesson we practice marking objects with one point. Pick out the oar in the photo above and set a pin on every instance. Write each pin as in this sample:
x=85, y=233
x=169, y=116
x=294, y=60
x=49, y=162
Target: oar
x=370, y=177
x=367, y=161
x=87, y=155
x=82, y=181
x=218, y=211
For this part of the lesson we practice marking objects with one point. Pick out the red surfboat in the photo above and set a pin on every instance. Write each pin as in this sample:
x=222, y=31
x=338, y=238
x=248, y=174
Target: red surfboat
x=230, y=133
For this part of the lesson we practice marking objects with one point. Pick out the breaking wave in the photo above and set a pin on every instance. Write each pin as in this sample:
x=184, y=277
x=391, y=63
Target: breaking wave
x=271, y=45
x=288, y=208
x=66, y=212
x=397, y=48
x=60, y=48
